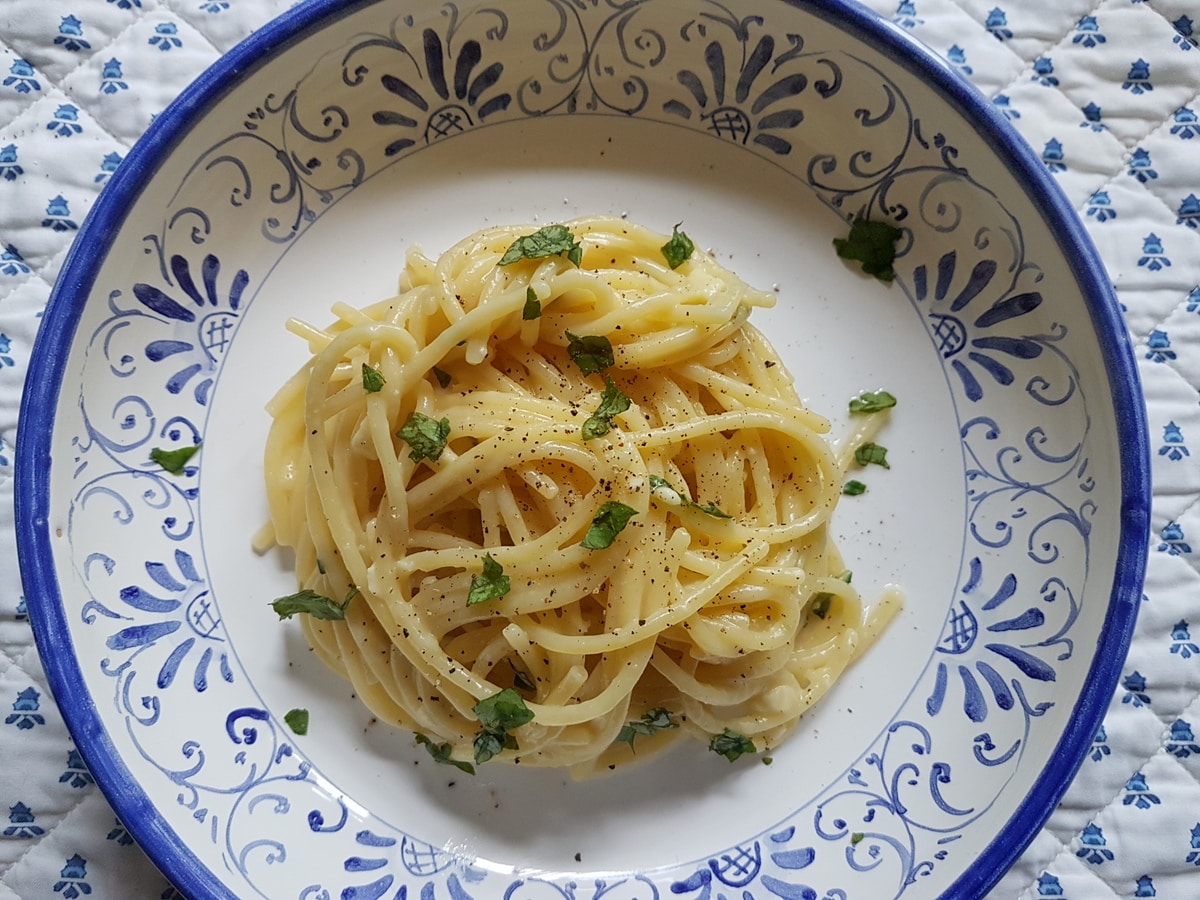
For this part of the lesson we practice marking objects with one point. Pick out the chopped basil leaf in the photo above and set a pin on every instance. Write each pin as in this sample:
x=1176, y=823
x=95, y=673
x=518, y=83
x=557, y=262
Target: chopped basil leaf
x=853, y=488
x=320, y=566
x=426, y=436
x=873, y=244
x=657, y=719
x=730, y=744
x=491, y=584
x=612, y=517
x=533, y=306
x=372, y=379
x=297, y=720
x=489, y=743
x=871, y=401
x=612, y=403
x=498, y=714
x=678, y=249
x=767, y=760
x=443, y=378
x=503, y=711
x=173, y=460
x=592, y=352
x=550, y=240
x=441, y=753
x=522, y=681
x=310, y=603
x=820, y=604
x=676, y=497
x=856, y=837
x=871, y=453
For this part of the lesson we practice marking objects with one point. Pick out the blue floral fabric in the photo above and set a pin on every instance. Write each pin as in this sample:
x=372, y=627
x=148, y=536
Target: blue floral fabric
x=1106, y=91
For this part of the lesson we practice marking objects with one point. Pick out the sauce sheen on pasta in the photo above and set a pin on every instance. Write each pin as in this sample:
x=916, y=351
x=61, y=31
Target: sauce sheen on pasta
x=575, y=476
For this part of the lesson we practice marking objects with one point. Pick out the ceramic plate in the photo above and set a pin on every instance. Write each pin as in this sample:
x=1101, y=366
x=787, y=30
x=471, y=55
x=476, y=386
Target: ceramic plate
x=295, y=173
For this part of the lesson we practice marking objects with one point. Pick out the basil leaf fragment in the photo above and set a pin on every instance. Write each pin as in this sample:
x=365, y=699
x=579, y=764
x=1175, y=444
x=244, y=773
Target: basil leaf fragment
x=297, y=720
x=612, y=403
x=856, y=837
x=441, y=753
x=549, y=240
x=427, y=437
x=443, y=378
x=608, y=522
x=871, y=454
x=873, y=244
x=731, y=744
x=533, y=306
x=499, y=714
x=173, y=460
x=853, y=488
x=592, y=352
x=871, y=401
x=310, y=603
x=678, y=249
x=657, y=719
x=820, y=604
x=664, y=490
x=491, y=584
x=373, y=381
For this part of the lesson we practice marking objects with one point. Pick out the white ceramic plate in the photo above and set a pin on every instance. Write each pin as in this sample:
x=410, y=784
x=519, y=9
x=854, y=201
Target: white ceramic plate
x=294, y=174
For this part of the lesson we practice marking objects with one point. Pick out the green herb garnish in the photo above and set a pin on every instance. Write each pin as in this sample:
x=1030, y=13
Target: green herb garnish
x=297, y=720
x=612, y=517
x=592, y=352
x=853, y=488
x=856, y=837
x=310, y=603
x=427, y=437
x=173, y=460
x=372, y=379
x=873, y=244
x=730, y=744
x=441, y=753
x=499, y=714
x=871, y=401
x=657, y=483
x=820, y=604
x=443, y=378
x=871, y=453
x=657, y=719
x=678, y=249
x=491, y=584
x=550, y=240
x=612, y=403
x=522, y=681
x=533, y=306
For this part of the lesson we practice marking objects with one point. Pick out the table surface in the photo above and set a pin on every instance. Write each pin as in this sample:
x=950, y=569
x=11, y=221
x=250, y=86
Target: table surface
x=1106, y=91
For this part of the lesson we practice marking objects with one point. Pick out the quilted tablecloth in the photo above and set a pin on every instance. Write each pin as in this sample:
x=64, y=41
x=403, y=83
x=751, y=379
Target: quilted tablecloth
x=1106, y=91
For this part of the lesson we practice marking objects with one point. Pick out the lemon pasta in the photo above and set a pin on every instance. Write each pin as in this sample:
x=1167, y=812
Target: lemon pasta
x=557, y=502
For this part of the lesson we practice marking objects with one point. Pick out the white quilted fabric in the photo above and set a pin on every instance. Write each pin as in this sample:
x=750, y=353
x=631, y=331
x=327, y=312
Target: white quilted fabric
x=1107, y=91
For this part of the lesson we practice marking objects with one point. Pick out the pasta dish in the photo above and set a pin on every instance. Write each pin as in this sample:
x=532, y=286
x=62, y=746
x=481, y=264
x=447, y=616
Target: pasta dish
x=557, y=503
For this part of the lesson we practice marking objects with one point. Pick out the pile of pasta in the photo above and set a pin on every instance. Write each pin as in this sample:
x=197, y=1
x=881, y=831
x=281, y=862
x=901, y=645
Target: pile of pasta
x=479, y=558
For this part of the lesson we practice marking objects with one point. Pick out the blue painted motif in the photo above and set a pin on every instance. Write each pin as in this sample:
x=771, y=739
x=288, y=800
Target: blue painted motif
x=21, y=823
x=65, y=122
x=1138, y=793
x=120, y=834
x=1154, y=256
x=1088, y=34
x=214, y=6
x=1185, y=33
x=1173, y=540
x=11, y=262
x=1182, y=742
x=112, y=79
x=1052, y=156
x=957, y=57
x=997, y=24
x=165, y=37
x=58, y=215
x=70, y=35
x=1141, y=167
x=1186, y=124
x=108, y=165
x=1100, y=748
x=1043, y=72
x=1138, y=79
x=1145, y=887
x=10, y=169
x=1173, y=446
x=1135, y=689
x=1049, y=886
x=21, y=77
x=1189, y=212
x=5, y=350
x=1158, y=344
x=906, y=15
x=1100, y=208
x=73, y=881
x=1092, y=118
x=1194, y=856
x=76, y=774
x=1003, y=103
x=1182, y=644
x=1095, y=846
x=25, y=715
